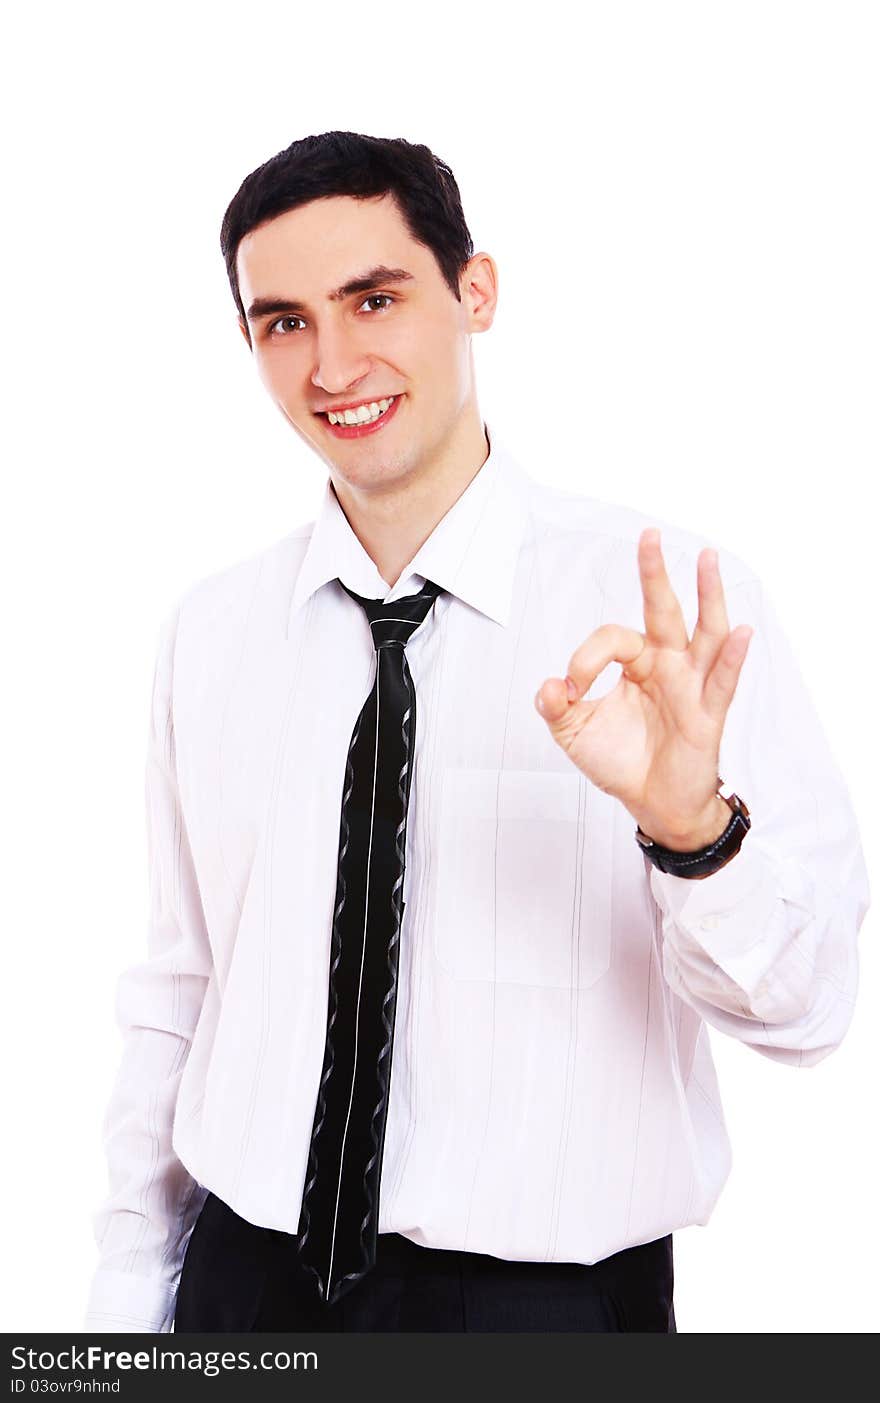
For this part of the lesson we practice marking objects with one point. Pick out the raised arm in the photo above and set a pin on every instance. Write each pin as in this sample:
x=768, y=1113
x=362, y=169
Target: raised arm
x=765, y=948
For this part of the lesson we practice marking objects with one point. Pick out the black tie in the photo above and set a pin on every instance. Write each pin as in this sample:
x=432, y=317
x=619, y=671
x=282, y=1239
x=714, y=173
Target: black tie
x=340, y=1210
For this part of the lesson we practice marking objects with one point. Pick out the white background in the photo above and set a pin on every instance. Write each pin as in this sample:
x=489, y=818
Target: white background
x=682, y=200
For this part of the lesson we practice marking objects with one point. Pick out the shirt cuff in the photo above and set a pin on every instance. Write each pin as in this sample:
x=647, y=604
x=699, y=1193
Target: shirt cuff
x=728, y=914
x=122, y=1303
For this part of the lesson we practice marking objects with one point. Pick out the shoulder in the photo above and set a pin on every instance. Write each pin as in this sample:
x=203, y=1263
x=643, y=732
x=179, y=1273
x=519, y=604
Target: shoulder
x=606, y=533
x=233, y=584
x=218, y=605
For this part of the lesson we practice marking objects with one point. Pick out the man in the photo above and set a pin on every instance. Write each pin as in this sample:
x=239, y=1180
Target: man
x=386, y=833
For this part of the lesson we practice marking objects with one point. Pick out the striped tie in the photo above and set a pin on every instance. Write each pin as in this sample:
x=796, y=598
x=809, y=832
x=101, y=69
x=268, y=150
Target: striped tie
x=340, y=1209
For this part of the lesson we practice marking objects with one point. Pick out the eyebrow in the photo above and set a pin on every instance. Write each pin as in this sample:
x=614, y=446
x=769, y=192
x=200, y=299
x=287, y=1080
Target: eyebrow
x=364, y=282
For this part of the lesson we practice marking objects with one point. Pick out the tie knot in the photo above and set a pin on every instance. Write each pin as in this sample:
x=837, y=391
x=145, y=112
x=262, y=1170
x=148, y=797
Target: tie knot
x=396, y=621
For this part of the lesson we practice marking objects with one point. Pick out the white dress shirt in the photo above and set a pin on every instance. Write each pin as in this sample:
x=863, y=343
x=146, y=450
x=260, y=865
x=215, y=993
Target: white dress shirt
x=553, y=1096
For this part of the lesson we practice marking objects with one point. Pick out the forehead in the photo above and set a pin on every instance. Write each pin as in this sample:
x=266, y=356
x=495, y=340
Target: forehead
x=306, y=252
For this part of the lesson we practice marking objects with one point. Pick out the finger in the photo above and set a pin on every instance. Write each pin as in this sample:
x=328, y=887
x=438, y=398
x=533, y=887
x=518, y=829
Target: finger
x=720, y=683
x=664, y=621
x=712, y=624
x=606, y=644
x=554, y=699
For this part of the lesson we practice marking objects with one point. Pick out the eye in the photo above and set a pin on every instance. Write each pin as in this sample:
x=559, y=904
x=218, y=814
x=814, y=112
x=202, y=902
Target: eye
x=378, y=297
x=291, y=318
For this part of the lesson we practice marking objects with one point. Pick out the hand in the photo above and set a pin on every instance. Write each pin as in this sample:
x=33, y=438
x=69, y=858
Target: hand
x=653, y=740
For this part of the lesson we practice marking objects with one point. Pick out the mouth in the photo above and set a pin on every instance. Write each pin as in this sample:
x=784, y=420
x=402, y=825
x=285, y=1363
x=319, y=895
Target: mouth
x=354, y=421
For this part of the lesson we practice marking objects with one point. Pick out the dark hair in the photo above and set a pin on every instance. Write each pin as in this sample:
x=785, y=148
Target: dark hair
x=347, y=163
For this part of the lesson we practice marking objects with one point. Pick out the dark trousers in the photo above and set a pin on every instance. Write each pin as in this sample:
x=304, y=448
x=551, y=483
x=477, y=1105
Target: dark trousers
x=239, y=1277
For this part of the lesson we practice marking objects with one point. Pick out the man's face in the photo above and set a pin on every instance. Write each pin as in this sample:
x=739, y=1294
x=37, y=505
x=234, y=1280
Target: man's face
x=402, y=337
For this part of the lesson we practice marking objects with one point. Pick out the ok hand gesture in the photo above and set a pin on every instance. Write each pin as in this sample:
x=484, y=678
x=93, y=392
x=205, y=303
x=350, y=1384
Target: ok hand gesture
x=653, y=740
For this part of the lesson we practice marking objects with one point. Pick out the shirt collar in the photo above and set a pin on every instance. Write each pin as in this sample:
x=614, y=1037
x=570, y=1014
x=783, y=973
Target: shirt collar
x=472, y=551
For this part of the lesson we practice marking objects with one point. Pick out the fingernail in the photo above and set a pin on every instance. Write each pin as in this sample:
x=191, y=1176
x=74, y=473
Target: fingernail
x=539, y=703
x=573, y=693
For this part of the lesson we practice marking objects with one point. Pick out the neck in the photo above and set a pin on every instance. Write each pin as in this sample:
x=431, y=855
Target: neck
x=391, y=525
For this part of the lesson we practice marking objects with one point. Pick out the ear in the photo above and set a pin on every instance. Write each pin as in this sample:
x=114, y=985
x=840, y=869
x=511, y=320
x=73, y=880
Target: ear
x=245, y=333
x=479, y=289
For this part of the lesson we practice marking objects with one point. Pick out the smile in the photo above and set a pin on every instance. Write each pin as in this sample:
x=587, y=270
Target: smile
x=364, y=414
x=366, y=418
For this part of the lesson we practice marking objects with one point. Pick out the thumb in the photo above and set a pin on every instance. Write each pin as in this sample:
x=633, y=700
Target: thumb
x=554, y=699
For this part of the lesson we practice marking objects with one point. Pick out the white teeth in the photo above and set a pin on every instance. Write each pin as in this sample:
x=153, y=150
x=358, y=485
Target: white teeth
x=364, y=414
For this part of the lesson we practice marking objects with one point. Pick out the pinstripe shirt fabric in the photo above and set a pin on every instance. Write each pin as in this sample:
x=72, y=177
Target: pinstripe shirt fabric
x=553, y=1095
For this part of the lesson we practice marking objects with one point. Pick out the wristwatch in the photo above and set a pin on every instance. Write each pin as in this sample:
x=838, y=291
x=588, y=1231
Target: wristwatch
x=704, y=860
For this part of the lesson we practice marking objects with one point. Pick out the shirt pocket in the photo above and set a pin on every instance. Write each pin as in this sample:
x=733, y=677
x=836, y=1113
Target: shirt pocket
x=516, y=902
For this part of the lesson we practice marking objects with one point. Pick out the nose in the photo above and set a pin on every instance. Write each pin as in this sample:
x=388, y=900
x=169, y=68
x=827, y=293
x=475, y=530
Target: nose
x=339, y=363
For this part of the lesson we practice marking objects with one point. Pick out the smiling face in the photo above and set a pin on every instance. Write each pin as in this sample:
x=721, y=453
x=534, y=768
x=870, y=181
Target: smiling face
x=346, y=309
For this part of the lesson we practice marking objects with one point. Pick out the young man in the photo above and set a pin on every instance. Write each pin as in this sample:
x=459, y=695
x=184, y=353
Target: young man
x=386, y=833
